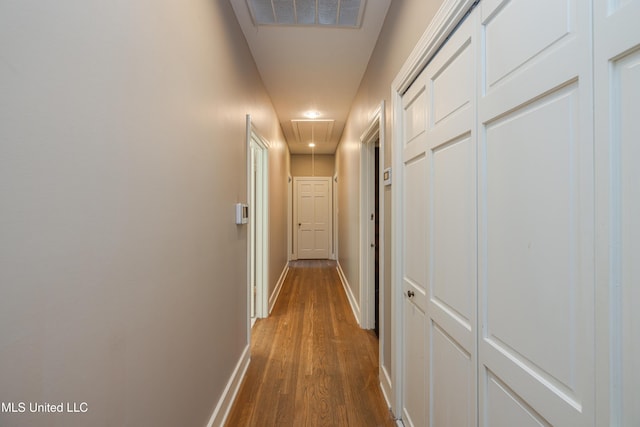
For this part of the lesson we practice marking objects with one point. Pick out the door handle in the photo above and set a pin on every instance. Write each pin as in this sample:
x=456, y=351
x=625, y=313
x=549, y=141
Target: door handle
x=299, y=224
x=410, y=294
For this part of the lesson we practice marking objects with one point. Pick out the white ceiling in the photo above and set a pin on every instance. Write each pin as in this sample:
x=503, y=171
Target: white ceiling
x=312, y=68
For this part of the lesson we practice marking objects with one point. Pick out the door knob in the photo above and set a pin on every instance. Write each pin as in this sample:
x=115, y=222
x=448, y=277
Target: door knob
x=410, y=294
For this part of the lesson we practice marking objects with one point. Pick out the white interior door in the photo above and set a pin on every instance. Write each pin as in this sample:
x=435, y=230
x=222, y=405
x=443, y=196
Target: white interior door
x=617, y=95
x=312, y=217
x=439, y=235
x=536, y=216
x=252, y=230
x=258, y=226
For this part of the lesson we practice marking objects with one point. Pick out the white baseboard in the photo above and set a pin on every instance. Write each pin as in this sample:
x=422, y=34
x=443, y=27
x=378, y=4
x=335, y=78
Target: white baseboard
x=276, y=292
x=220, y=414
x=385, y=386
x=347, y=289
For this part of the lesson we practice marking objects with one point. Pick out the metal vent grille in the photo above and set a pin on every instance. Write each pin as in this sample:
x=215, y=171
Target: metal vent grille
x=335, y=13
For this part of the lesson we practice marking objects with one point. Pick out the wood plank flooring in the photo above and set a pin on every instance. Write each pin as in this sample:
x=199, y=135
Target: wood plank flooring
x=311, y=364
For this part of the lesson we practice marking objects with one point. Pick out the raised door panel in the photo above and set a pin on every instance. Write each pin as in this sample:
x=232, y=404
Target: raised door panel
x=453, y=82
x=521, y=62
x=415, y=231
x=415, y=105
x=452, y=260
x=536, y=235
x=321, y=219
x=304, y=205
x=452, y=381
x=414, y=407
x=506, y=406
x=533, y=220
x=513, y=35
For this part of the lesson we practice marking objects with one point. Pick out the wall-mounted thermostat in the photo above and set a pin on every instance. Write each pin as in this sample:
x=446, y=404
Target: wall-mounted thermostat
x=242, y=213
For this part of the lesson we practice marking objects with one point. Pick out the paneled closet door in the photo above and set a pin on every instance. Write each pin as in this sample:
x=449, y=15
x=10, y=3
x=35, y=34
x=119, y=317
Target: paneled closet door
x=414, y=240
x=617, y=95
x=439, y=235
x=536, y=214
x=451, y=233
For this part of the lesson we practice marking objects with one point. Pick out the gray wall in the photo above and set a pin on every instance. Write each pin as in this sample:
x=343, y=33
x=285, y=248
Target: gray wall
x=122, y=154
x=406, y=21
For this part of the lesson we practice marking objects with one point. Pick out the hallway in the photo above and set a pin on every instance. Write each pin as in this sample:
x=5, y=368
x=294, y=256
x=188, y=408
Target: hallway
x=508, y=212
x=311, y=364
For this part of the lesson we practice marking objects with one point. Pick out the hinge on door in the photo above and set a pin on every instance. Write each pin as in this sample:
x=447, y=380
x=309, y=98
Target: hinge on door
x=372, y=217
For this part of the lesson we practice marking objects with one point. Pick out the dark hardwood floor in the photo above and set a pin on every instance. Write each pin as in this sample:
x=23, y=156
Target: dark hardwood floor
x=311, y=364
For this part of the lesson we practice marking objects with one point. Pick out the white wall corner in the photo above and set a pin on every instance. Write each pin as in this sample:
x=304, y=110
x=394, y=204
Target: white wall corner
x=347, y=290
x=221, y=412
x=276, y=292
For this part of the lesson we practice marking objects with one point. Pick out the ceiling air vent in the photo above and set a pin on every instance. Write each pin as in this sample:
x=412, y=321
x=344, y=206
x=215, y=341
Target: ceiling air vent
x=316, y=131
x=334, y=13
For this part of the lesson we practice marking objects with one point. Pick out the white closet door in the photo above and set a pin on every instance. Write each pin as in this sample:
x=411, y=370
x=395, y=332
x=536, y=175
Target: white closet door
x=451, y=233
x=536, y=219
x=439, y=235
x=617, y=95
x=414, y=240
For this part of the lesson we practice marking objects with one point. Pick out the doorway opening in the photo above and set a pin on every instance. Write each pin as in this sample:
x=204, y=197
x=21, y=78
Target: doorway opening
x=371, y=225
x=375, y=292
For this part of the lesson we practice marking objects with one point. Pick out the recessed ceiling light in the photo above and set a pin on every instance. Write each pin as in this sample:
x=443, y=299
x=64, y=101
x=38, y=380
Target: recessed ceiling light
x=311, y=144
x=312, y=114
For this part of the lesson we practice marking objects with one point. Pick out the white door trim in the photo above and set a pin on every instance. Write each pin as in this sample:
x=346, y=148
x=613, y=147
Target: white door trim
x=375, y=130
x=445, y=21
x=367, y=261
x=290, y=254
x=334, y=243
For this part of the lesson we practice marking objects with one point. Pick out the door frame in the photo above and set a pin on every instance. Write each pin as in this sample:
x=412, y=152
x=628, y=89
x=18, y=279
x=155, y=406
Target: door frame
x=290, y=255
x=367, y=201
x=375, y=132
x=294, y=233
x=258, y=223
x=444, y=23
x=334, y=244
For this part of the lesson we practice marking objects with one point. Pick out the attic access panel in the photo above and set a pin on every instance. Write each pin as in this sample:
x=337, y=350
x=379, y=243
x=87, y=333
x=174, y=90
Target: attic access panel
x=334, y=13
